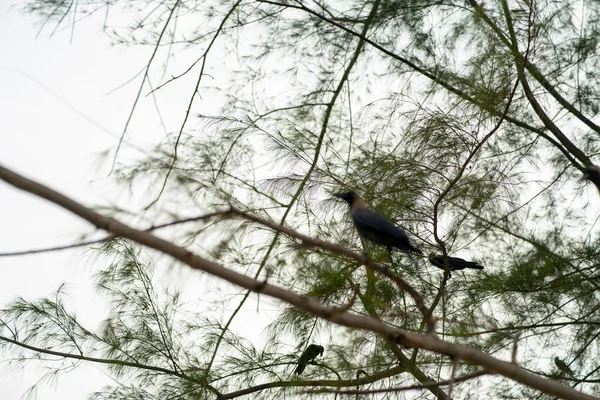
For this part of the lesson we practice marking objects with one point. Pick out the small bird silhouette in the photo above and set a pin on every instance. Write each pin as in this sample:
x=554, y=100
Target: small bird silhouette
x=376, y=228
x=454, y=263
x=308, y=355
x=562, y=366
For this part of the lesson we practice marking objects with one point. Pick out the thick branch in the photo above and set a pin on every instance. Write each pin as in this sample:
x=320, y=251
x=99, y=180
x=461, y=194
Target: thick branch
x=463, y=378
x=333, y=383
x=305, y=303
x=362, y=258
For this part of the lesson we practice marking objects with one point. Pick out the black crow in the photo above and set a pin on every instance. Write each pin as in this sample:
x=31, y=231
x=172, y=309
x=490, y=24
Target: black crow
x=592, y=173
x=454, y=263
x=308, y=355
x=375, y=227
x=562, y=366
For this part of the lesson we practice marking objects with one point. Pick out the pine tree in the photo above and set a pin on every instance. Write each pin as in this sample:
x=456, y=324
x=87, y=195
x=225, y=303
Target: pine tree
x=467, y=124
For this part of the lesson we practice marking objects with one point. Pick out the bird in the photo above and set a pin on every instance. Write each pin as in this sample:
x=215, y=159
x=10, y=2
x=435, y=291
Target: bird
x=308, y=355
x=361, y=371
x=592, y=174
x=375, y=227
x=562, y=366
x=454, y=263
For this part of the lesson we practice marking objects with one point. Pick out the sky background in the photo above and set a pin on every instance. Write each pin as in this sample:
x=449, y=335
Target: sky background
x=56, y=122
x=59, y=116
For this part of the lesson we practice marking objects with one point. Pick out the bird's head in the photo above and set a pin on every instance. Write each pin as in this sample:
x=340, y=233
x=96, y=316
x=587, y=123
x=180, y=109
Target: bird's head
x=352, y=198
x=320, y=350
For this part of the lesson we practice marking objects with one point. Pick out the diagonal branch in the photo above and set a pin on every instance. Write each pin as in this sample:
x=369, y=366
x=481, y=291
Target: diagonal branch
x=302, y=302
x=107, y=237
x=313, y=383
x=144, y=79
x=362, y=258
x=81, y=357
x=529, y=66
x=204, y=57
x=463, y=378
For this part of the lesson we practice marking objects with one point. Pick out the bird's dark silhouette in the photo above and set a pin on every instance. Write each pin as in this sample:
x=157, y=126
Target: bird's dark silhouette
x=454, y=263
x=375, y=227
x=562, y=366
x=307, y=356
x=592, y=174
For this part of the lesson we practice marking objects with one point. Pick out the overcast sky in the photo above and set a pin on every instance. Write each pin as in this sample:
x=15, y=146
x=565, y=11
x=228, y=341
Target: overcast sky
x=46, y=88
x=56, y=123
x=62, y=108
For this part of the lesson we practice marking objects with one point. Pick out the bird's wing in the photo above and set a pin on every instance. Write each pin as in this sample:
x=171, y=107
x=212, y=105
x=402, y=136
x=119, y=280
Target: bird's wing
x=369, y=221
x=438, y=261
x=562, y=366
x=305, y=356
x=456, y=263
x=300, y=367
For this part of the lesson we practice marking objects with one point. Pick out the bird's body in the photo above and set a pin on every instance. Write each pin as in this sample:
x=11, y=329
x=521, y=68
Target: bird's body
x=562, y=366
x=376, y=228
x=592, y=174
x=454, y=263
x=308, y=355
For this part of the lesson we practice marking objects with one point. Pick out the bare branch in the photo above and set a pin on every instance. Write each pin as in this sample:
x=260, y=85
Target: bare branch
x=377, y=376
x=108, y=237
x=462, y=378
x=305, y=303
x=81, y=357
x=307, y=241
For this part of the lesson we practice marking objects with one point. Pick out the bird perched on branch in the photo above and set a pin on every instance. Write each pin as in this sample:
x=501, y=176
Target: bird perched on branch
x=562, y=366
x=592, y=173
x=375, y=227
x=454, y=263
x=307, y=356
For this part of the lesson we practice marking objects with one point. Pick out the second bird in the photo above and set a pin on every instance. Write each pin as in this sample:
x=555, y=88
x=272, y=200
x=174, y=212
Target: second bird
x=307, y=356
x=454, y=263
x=375, y=227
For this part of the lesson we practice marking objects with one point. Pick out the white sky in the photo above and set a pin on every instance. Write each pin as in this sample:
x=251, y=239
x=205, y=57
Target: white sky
x=56, y=122
x=58, y=141
x=47, y=139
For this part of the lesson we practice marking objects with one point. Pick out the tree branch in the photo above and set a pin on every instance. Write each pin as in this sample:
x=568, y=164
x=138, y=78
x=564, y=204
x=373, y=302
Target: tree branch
x=302, y=302
x=463, y=378
x=335, y=383
x=108, y=361
x=362, y=258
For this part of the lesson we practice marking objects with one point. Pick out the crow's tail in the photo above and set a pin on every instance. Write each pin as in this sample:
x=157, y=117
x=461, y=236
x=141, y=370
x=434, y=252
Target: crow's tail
x=300, y=368
x=475, y=266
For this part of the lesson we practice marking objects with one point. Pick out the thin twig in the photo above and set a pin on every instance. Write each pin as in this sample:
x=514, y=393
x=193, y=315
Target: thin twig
x=462, y=378
x=107, y=237
x=302, y=302
x=308, y=241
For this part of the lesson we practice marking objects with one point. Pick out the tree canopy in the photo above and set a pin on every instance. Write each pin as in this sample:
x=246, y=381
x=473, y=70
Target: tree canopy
x=466, y=123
